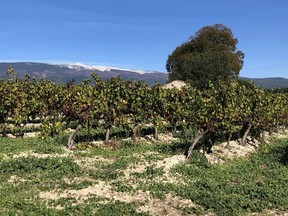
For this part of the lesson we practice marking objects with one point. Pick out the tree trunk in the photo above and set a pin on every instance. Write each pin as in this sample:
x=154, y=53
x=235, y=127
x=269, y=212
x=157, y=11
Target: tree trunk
x=106, y=141
x=209, y=140
x=262, y=138
x=135, y=133
x=4, y=132
x=72, y=137
x=244, y=138
x=4, y=127
x=89, y=137
x=156, y=133
x=174, y=129
x=228, y=141
x=19, y=134
x=198, y=137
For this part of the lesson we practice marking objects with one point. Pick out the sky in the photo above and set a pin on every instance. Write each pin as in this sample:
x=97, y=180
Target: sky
x=140, y=34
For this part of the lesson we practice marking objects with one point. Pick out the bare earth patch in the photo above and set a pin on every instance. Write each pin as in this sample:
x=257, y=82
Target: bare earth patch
x=169, y=206
x=15, y=179
x=37, y=155
x=26, y=135
x=166, y=164
x=89, y=162
x=77, y=180
x=269, y=213
x=84, y=162
x=221, y=153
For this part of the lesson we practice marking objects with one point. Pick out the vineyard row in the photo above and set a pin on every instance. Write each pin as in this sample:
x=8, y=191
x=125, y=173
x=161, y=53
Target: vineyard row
x=222, y=108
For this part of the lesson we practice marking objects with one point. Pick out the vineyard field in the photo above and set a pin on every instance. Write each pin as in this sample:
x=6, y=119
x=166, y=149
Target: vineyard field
x=238, y=109
x=129, y=172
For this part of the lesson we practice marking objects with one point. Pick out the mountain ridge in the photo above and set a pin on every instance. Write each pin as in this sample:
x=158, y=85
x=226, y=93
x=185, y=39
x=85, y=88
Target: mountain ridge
x=78, y=71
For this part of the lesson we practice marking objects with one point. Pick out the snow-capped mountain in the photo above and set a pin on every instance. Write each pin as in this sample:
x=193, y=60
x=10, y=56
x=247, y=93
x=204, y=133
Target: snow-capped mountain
x=78, y=72
x=80, y=66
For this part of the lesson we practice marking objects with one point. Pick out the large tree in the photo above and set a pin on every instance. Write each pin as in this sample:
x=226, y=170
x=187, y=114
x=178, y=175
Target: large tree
x=210, y=55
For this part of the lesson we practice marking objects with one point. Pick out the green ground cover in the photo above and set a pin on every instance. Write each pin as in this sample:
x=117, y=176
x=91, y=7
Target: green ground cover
x=41, y=177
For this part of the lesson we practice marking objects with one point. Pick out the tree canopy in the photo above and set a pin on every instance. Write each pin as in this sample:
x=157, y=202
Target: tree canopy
x=210, y=55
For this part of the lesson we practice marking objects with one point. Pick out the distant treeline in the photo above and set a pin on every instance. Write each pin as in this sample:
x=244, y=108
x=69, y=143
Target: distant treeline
x=279, y=90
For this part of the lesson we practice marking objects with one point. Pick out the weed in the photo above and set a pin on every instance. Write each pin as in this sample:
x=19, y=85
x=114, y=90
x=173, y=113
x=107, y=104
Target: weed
x=243, y=185
x=150, y=173
x=49, y=168
x=74, y=186
x=123, y=187
x=48, y=145
x=238, y=187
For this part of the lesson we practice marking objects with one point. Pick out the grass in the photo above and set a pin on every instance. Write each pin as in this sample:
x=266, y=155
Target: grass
x=251, y=184
x=245, y=185
x=48, y=145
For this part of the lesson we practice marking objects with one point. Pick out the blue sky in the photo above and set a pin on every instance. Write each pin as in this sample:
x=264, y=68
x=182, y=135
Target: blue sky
x=140, y=34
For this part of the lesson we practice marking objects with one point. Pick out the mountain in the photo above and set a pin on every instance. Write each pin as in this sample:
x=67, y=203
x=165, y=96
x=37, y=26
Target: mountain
x=77, y=71
x=66, y=72
x=268, y=83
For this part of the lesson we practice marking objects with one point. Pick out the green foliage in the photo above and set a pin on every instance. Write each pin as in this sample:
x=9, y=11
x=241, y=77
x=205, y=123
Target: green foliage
x=119, y=208
x=51, y=129
x=210, y=55
x=252, y=184
x=244, y=185
x=53, y=168
x=109, y=171
x=48, y=145
x=279, y=90
x=122, y=187
x=116, y=108
x=150, y=172
x=74, y=186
